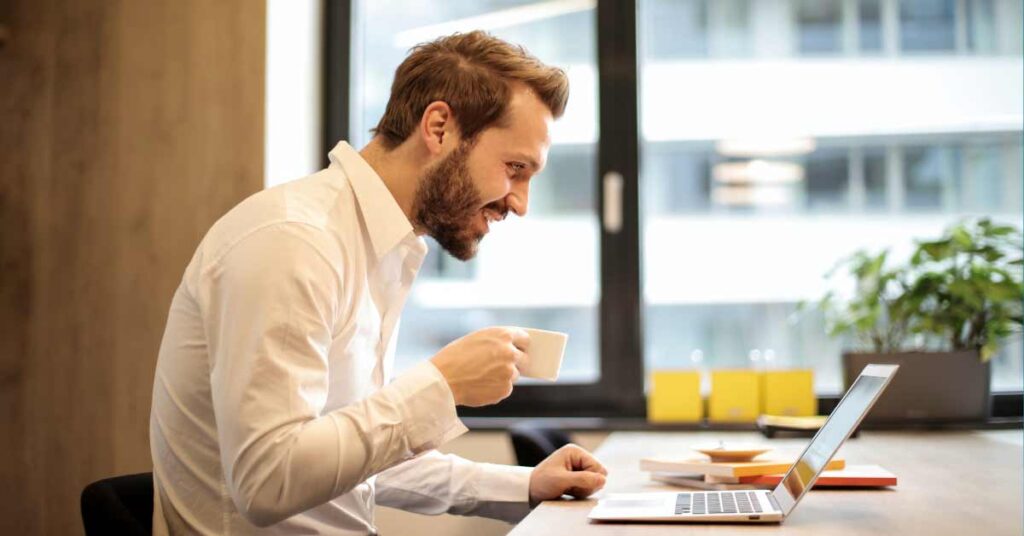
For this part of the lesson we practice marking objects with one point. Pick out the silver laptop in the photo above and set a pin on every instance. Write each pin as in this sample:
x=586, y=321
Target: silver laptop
x=757, y=506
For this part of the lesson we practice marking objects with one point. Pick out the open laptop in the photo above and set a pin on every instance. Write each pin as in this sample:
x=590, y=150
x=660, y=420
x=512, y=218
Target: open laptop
x=757, y=506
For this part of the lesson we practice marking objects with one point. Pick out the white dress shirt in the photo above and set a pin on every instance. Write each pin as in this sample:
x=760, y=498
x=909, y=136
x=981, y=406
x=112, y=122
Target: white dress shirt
x=273, y=410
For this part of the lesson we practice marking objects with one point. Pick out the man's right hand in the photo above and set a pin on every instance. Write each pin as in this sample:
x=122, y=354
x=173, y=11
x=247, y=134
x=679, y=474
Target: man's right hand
x=481, y=367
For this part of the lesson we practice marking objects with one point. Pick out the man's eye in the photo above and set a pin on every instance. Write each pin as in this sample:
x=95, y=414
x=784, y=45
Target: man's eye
x=516, y=167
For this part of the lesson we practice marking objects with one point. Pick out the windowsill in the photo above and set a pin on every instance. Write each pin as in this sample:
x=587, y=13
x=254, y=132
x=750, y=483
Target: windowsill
x=602, y=424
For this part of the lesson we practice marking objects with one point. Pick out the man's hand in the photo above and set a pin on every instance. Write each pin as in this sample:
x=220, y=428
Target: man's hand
x=569, y=471
x=481, y=367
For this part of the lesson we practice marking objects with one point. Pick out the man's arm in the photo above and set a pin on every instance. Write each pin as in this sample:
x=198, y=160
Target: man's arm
x=437, y=483
x=269, y=306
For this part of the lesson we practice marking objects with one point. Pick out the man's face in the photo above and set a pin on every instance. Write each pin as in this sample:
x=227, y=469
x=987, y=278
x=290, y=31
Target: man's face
x=479, y=183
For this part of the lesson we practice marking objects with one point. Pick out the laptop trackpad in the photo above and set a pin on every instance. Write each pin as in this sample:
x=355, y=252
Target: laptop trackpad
x=632, y=503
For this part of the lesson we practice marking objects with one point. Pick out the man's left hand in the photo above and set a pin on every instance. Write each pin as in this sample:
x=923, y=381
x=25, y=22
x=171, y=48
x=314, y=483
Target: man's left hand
x=570, y=470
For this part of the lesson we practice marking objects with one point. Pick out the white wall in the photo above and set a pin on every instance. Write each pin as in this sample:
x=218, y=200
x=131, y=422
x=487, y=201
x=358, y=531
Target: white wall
x=293, y=110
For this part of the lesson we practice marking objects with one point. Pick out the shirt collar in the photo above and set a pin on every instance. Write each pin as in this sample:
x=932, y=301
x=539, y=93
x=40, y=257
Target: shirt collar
x=385, y=222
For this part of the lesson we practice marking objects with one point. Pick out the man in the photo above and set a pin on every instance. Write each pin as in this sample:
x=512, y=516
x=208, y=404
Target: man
x=273, y=406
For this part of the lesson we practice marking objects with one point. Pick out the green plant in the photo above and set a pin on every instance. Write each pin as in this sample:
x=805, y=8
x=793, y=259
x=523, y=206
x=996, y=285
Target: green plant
x=964, y=289
x=967, y=286
x=876, y=315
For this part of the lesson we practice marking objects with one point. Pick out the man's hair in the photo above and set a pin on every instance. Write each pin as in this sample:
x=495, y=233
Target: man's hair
x=472, y=73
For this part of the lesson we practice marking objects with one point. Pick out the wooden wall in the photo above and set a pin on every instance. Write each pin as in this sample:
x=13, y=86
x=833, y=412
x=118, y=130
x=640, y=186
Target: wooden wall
x=126, y=128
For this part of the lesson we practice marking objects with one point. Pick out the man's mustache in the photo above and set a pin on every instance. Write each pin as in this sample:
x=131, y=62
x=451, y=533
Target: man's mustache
x=500, y=208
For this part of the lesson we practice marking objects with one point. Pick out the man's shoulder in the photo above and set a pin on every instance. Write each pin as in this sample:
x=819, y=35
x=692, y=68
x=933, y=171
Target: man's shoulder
x=310, y=207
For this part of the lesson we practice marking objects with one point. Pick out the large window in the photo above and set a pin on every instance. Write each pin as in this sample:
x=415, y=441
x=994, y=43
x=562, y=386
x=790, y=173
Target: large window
x=716, y=159
x=757, y=176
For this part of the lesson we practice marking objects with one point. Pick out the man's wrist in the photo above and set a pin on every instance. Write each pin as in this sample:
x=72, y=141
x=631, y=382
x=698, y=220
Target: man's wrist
x=447, y=381
x=533, y=502
x=429, y=411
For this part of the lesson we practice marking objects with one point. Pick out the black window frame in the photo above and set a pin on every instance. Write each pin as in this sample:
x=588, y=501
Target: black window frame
x=619, y=392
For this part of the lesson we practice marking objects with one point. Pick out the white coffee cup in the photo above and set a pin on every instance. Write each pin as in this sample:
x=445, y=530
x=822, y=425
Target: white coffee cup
x=544, y=354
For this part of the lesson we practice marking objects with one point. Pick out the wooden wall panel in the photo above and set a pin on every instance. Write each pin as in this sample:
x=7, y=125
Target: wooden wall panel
x=126, y=129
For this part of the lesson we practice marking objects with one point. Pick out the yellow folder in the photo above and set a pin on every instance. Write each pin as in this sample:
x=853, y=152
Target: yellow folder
x=735, y=396
x=675, y=396
x=789, y=392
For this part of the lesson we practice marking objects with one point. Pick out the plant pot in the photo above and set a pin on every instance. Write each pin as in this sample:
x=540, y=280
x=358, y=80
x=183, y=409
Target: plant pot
x=930, y=387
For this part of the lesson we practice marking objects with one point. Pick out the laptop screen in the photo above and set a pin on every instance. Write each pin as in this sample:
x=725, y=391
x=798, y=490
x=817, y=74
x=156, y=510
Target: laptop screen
x=847, y=415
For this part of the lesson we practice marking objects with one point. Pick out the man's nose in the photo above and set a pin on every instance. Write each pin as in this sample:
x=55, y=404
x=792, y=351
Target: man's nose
x=519, y=198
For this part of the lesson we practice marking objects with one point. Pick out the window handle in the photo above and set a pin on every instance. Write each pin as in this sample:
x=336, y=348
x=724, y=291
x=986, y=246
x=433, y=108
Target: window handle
x=612, y=219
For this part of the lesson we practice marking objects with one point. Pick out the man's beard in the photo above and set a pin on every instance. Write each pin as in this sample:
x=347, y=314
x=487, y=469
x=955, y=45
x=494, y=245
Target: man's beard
x=447, y=204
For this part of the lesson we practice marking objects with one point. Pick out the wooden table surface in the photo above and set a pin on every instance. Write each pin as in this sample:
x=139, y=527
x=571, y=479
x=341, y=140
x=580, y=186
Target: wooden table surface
x=956, y=482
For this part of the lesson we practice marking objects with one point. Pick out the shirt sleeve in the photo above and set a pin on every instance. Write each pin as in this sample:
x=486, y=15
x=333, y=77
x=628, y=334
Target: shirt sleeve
x=269, y=306
x=436, y=483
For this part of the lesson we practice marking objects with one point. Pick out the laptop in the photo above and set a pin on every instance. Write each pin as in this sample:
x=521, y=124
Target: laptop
x=757, y=506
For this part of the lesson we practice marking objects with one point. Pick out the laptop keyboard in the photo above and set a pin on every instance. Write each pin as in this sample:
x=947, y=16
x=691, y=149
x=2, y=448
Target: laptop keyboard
x=717, y=502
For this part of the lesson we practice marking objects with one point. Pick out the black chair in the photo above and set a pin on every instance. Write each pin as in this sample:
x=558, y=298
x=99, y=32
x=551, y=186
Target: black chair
x=119, y=505
x=533, y=442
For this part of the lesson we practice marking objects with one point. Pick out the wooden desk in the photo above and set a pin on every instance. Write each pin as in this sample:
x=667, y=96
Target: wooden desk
x=957, y=483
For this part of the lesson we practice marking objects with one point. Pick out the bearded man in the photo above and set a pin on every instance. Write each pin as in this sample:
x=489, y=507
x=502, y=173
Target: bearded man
x=274, y=410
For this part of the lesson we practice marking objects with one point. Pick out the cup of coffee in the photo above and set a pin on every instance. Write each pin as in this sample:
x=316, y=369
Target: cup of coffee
x=544, y=354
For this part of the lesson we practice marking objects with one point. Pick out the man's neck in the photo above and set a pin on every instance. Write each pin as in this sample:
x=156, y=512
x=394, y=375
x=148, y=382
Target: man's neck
x=398, y=169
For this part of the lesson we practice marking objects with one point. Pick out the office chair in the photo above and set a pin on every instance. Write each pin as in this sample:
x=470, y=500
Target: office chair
x=533, y=442
x=119, y=505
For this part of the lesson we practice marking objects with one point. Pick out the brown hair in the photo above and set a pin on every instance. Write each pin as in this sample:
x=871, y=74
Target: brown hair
x=471, y=73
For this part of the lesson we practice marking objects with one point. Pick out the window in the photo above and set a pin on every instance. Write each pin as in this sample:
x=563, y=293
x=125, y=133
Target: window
x=755, y=181
x=927, y=25
x=753, y=153
x=869, y=25
x=820, y=26
x=683, y=28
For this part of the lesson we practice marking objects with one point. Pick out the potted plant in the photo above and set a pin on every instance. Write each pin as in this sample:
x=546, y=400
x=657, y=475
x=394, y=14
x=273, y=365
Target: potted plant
x=941, y=315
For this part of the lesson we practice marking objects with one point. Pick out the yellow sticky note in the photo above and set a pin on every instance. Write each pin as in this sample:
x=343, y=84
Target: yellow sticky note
x=735, y=396
x=675, y=396
x=789, y=392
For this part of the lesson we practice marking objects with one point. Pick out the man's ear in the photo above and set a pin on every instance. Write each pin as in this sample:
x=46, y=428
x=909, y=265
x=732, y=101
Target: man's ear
x=438, y=128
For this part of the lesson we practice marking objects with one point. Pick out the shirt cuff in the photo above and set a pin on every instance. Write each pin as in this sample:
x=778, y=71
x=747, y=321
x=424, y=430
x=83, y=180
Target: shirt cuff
x=428, y=408
x=502, y=491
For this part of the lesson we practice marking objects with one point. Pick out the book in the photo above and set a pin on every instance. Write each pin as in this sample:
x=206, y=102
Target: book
x=696, y=481
x=792, y=423
x=772, y=425
x=860, y=476
x=724, y=469
x=867, y=476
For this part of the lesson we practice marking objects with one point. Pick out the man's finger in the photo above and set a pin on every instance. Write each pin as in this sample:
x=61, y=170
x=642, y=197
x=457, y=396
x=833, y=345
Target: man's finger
x=522, y=360
x=520, y=338
x=579, y=458
x=582, y=484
